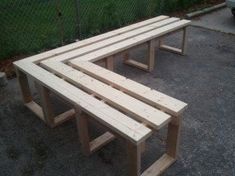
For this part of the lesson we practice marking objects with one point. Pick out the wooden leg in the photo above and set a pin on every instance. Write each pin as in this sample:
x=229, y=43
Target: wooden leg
x=173, y=137
x=126, y=56
x=134, y=154
x=110, y=63
x=151, y=55
x=184, y=42
x=88, y=146
x=133, y=63
x=182, y=50
x=143, y=147
x=82, y=125
x=44, y=95
x=24, y=86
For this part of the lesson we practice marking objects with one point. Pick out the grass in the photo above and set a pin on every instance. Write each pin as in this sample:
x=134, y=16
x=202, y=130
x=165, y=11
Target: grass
x=31, y=26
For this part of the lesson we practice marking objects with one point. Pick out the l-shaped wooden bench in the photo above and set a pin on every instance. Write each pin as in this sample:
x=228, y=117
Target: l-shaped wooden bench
x=126, y=108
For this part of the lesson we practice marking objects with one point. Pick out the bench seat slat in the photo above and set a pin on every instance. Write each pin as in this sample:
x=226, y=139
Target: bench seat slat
x=110, y=117
x=37, y=58
x=143, y=112
x=144, y=93
x=110, y=41
x=129, y=43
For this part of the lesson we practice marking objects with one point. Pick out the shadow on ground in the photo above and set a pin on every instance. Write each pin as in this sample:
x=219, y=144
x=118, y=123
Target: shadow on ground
x=205, y=79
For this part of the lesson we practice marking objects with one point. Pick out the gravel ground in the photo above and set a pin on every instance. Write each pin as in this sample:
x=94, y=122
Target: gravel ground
x=205, y=79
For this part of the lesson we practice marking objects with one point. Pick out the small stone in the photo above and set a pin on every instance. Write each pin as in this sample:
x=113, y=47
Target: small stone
x=3, y=79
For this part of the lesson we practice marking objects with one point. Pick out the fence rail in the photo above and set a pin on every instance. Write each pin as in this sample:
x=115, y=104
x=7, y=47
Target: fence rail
x=31, y=26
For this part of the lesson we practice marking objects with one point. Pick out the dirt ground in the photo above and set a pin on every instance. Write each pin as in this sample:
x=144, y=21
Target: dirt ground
x=205, y=79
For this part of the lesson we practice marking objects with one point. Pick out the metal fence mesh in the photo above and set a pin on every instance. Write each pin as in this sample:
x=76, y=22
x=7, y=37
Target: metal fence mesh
x=30, y=26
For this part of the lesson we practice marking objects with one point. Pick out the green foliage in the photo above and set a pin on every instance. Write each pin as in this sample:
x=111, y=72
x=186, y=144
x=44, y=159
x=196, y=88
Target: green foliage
x=30, y=26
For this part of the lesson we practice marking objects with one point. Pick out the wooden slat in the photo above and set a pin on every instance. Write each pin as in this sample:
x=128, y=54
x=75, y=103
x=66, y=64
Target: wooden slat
x=118, y=122
x=79, y=44
x=141, y=111
x=144, y=93
x=129, y=43
x=110, y=41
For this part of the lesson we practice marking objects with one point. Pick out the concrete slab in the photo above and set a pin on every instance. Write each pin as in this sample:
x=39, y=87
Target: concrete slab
x=221, y=20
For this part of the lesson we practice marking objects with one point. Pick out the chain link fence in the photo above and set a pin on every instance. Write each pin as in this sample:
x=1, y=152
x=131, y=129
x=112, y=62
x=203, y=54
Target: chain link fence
x=31, y=26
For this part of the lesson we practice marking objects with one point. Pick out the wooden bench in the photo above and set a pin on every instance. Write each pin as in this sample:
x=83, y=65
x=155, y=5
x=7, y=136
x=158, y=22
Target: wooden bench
x=124, y=107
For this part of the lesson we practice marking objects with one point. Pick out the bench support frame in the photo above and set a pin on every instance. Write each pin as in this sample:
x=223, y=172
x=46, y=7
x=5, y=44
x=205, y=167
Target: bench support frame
x=134, y=151
x=151, y=52
x=45, y=111
x=159, y=166
x=88, y=146
x=182, y=50
x=150, y=58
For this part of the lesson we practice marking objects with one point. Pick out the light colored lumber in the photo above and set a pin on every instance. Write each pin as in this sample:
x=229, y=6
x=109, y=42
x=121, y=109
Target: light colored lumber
x=83, y=131
x=61, y=118
x=137, y=64
x=115, y=39
x=171, y=49
x=182, y=50
x=110, y=63
x=118, y=122
x=70, y=47
x=24, y=86
x=100, y=141
x=134, y=158
x=129, y=43
x=137, y=90
x=151, y=55
x=46, y=105
x=159, y=166
x=36, y=109
x=139, y=110
x=173, y=137
x=184, y=41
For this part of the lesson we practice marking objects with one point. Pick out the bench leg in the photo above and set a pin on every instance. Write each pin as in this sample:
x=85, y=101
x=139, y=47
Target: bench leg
x=44, y=112
x=159, y=166
x=47, y=108
x=134, y=158
x=173, y=137
x=182, y=50
x=88, y=146
x=109, y=63
x=26, y=94
x=151, y=55
x=150, y=58
x=24, y=86
x=83, y=132
x=46, y=105
x=184, y=42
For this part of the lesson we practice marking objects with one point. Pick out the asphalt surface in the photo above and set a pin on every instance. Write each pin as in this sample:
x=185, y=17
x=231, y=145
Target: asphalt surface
x=220, y=20
x=205, y=79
